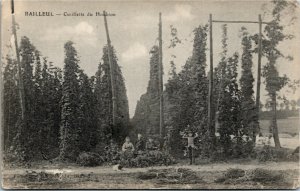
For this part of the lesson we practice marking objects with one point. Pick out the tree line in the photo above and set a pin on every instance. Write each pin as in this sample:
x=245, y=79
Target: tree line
x=66, y=112
x=235, y=115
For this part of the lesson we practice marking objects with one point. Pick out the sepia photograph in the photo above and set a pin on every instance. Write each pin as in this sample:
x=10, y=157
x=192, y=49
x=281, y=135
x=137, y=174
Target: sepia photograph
x=150, y=94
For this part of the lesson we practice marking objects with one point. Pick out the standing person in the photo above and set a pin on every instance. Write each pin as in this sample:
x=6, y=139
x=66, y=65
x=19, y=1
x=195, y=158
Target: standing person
x=140, y=144
x=191, y=146
x=167, y=144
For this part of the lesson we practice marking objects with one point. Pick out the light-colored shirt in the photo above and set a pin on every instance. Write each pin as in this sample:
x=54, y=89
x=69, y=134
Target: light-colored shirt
x=191, y=140
x=127, y=146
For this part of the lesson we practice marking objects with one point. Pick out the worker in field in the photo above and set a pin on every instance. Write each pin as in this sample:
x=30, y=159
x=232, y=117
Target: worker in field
x=167, y=143
x=191, y=145
x=140, y=144
x=150, y=145
x=127, y=146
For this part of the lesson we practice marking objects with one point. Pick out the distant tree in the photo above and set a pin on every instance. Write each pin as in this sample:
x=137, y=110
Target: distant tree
x=274, y=82
x=187, y=92
x=70, y=123
x=87, y=119
x=281, y=106
x=287, y=105
x=220, y=71
x=293, y=104
x=172, y=72
x=248, y=108
x=31, y=138
x=38, y=112
x=172, y=87
x=103, y=133
x=52, y=95
x=146, y=117
x=26, y=140
x=103, y=86
x=229, y=107
x=226, y=92
x=11, y=107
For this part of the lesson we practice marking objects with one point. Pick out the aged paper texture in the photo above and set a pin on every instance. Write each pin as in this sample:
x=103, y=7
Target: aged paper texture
x=150, y=94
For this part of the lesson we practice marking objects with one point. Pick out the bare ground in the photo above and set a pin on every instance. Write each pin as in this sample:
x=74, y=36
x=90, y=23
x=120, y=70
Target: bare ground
x=103, y=177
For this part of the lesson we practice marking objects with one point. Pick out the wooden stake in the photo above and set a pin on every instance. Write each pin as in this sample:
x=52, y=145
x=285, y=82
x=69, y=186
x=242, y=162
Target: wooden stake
x=20, y=80
x=259, y=67
x=259, y=63
x=161, y=99
x=111, y=66
x=255, y=22
x=211, y=126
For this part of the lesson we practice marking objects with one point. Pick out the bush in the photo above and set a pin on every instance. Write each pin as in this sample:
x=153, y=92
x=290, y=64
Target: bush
x=171, y=176
x=239, y=176
x=110, y=153
x=89, y=159
x=145, y=159
x=231, y=175
x=234, y=173
x=263, y=175
x=268, y=153
x=236, y=148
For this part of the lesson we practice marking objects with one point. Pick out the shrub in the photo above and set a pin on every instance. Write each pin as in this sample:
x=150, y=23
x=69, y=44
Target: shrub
x=147, y=176
x=234, y=173
x=268, y=153
x=111, y=153
x=145, y=159
x=239, y=176
x=89, y=159
x=263, y=175
x=171, y=176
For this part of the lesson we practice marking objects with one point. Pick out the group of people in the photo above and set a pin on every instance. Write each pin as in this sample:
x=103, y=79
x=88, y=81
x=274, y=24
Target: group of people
x=140, y=145
x=150, y=145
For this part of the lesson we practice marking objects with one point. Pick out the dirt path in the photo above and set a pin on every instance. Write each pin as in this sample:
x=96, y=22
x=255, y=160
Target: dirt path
x=198, y=168
x=104, y=177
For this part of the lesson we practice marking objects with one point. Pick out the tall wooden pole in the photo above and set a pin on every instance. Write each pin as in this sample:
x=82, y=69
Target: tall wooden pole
x=259, y=67
x=211, y=126
x=111, y=68
x=161, y=99
x=20, y=80
x=260, y=22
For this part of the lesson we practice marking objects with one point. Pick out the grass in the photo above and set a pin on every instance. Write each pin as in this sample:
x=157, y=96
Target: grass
x=171, y=176
x=180, y=178
x=288, y=126
x=258, y=175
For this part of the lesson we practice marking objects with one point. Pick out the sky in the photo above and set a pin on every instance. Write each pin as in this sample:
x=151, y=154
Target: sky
x=134, y=30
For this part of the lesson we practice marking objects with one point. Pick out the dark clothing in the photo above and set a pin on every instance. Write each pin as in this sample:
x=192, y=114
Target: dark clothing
x=140, y=145
x=191, y=154
x=150, y=146
x=166, y=146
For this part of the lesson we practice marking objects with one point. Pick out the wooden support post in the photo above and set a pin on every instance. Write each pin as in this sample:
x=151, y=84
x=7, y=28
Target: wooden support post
x=260, y=22
x=210, y=125
x=259, y=67
x=111, y=68
x=20, y=80
x=161, y=98
x=253, y=22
